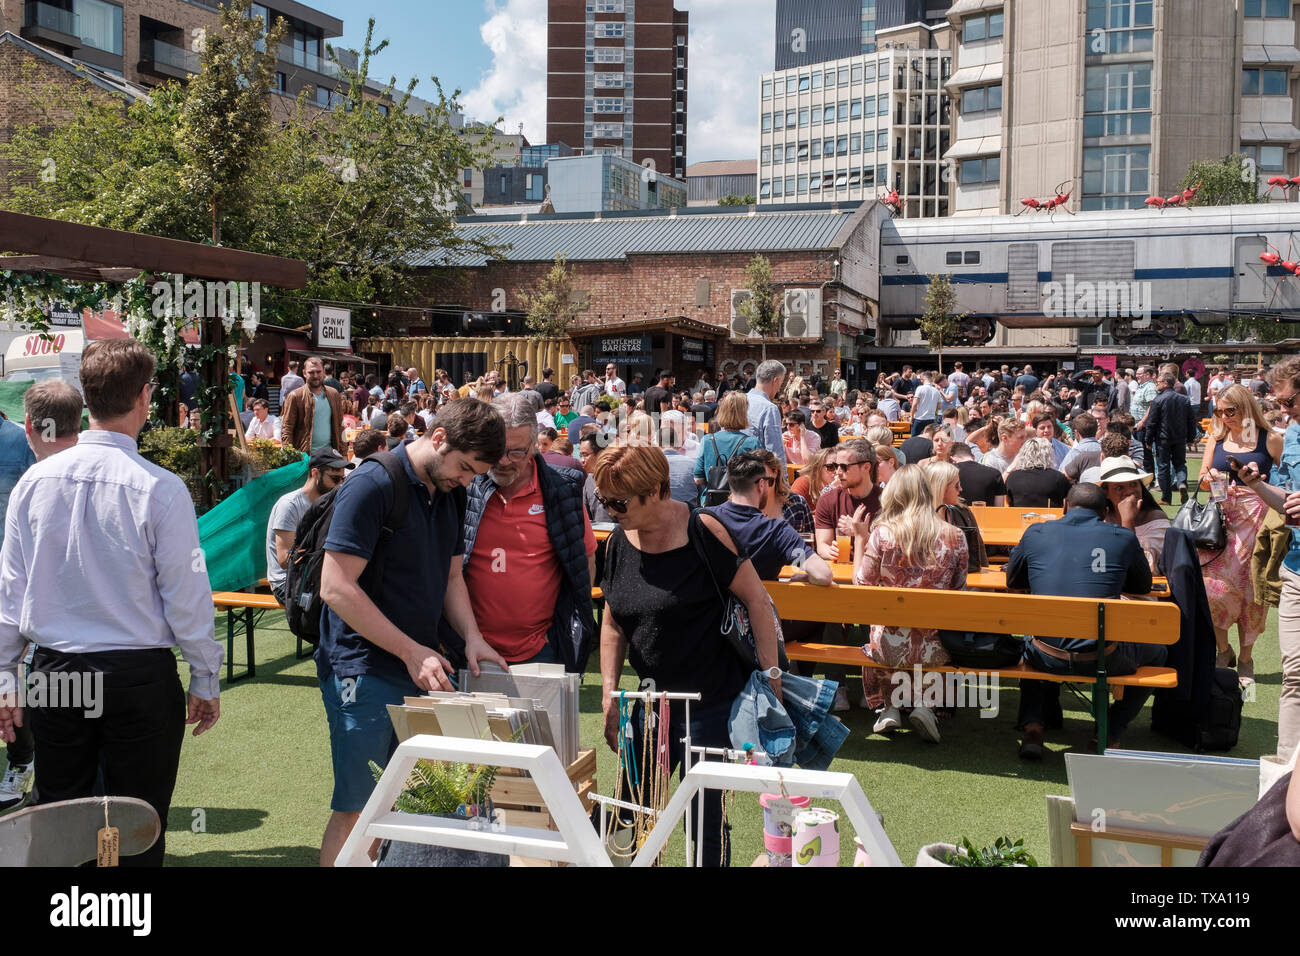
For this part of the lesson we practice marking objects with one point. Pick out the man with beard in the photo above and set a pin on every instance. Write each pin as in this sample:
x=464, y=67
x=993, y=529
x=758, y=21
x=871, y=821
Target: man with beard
x=380, y=623
x=324, y=472
x=530, y=552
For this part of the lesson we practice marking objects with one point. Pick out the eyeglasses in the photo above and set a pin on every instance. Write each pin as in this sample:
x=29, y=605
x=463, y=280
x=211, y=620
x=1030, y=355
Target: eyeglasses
x=616, y=505
x=516, y=454
x=1288, y=403
x=1228, y=412
x=844, y=466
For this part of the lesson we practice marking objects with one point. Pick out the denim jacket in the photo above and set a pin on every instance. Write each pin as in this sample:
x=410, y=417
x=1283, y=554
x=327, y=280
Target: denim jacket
x=802, y=732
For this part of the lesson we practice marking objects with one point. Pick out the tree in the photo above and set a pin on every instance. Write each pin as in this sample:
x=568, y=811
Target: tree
x=732, y=199
x=1225, y=182
x=937, y=323
x=762, y=309
x=550, y=304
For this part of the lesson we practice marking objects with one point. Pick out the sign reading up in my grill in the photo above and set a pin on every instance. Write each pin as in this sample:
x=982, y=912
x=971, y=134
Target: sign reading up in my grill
x=624, y=349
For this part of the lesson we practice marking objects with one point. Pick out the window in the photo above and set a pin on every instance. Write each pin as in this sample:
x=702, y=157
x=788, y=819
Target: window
x=765, y=189
x=778, y=120
x=789, y=185
x=842, y=146
x=817, y=116
x=1266, y=82
x=1268, y=159
x=816, y=81
x=868, y=176
x=972, y=101
x=1116, y=177
x=767, y=89
x=609, y=29
x=767, y=122
x=469, y=177
x=681, y=41
x=975, y=172
x=608, y=130
x=815, y=184
x=855, y=144
x=803, y=151
x=816, y=149
x=790, y=116
x=883, y=70
x=778, y=187
x=882, y=175
x=605, y=6
x=900, y=260
x=855, y=178
x=869, y=106
x=803, y=184
x=281, y=83
x=1111, y=26
x=868, y=143
x=841, y=179
x=790, y=152
x=608, y=80
x=1117, y=100
x=383, y=109
x=882, y=106
x=844, y=76
x=803, y=83
x=99, y=25
x=981, y=28
x=609, y=104
x=857, y=73
x=324, y=97
x=1273, y=9
x=970, y=258
x=855, y=109
x=882, y=139
x=767, y=156
x=842, y=113
x=778, y=154
x=605, y=54
x=952, y=259
x=803, y=118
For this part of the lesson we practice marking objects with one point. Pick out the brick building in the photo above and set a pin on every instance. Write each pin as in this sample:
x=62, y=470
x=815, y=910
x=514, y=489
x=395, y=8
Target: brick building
x=660, y=289
x=616, y=79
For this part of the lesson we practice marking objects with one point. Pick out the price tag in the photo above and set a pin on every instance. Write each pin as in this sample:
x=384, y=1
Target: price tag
x=108, y=847
x=782, y=812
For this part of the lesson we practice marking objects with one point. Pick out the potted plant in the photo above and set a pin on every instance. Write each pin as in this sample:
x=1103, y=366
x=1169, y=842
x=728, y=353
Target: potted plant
x=1001, y=853
x=440, y=789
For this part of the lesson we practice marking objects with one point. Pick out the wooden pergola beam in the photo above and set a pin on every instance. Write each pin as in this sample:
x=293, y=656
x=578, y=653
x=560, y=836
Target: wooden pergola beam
x=93, y=247
x=69, y=268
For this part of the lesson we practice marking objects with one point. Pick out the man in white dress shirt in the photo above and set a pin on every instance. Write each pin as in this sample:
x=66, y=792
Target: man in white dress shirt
x=263, y=424
x=101, y=569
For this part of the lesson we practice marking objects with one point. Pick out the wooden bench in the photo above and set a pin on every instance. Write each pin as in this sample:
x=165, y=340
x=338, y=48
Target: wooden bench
x=244, y=608
x=1138, y=622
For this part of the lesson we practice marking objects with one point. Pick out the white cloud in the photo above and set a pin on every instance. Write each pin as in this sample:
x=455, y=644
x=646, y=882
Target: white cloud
x=515, y=85
x=730, y=45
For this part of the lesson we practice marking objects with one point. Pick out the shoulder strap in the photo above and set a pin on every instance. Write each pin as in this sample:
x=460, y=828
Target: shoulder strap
x=401, y=489
x=694, y=529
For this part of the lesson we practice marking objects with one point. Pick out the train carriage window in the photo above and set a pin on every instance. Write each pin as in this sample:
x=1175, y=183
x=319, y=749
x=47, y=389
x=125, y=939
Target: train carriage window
x=952, y=259
x=900, y=260
x=970, y=258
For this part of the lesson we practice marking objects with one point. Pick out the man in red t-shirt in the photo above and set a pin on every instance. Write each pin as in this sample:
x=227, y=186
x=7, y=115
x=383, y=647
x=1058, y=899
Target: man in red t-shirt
x=854, y=464
x=513, y=574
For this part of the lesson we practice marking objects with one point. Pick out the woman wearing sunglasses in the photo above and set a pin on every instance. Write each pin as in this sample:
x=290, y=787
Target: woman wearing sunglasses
x=666, y=575
x=1239, y=435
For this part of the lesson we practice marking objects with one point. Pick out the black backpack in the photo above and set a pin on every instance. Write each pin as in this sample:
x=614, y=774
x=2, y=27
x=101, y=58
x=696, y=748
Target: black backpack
x=302, y=582
x=717, y=487
x=1216, y=728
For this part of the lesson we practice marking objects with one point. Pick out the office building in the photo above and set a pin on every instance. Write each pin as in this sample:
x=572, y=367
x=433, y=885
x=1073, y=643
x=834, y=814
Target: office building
x=859, y=127
x=706, y=183
x=616, y=75
x=814, y=31
x=605, y=183
x=522, y=182
x=1114, y=108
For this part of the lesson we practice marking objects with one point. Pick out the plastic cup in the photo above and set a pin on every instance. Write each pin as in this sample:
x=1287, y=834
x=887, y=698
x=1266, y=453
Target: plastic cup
x=1218, y=489
x=845, y=544
x=1029, y=518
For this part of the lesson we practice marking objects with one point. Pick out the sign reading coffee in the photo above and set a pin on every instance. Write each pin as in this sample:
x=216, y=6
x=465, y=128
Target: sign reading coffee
x=623, y=349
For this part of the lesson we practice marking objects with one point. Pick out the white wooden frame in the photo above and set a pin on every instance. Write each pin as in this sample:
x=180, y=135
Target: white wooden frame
x=746, y=778
x=576, y=842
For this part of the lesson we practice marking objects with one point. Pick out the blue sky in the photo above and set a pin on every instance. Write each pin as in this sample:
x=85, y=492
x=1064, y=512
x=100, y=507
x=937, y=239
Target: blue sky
x=494, y=51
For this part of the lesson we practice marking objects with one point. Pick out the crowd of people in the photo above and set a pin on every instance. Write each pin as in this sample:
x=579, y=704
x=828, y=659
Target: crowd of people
x=464, y=523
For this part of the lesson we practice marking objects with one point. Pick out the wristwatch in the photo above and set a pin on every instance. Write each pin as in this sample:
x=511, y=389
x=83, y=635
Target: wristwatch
x=773, y=673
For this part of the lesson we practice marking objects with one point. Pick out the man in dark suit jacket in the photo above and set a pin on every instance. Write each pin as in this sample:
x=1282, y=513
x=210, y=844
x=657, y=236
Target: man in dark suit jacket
x=1171, y=424
x=1079, y=555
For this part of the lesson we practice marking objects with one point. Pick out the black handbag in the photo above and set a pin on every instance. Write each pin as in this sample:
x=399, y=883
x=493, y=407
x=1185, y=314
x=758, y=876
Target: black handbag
x=1204, y=522
x=981, y=650
x=962, y=518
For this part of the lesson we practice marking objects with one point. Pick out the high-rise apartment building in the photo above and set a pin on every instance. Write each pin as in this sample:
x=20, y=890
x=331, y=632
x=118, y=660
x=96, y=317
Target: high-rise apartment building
x=1111, y=99
x=814, y=31
x=857, y=128
x=616, y=80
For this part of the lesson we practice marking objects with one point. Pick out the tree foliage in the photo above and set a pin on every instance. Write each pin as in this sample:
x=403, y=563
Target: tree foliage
x=732, y=199
x=550, y=303
x=763, y=308
x=938, y=323
x=1224, y=182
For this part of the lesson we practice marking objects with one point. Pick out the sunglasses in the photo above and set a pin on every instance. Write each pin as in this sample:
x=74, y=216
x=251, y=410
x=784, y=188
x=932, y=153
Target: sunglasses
x=1228, y=412
x=1288, y=403
x=616, y=506
x=844, y=466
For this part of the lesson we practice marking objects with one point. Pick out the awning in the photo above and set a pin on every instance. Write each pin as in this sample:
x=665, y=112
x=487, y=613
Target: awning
x=680, y=324
x=1269, y=133
x=976, y=146
x=963, y=7
x=975, y=75
x=1285, y=55
x=347, y=358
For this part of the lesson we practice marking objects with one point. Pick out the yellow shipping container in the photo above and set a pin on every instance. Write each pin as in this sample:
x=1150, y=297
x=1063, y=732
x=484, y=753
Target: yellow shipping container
x=423, y=352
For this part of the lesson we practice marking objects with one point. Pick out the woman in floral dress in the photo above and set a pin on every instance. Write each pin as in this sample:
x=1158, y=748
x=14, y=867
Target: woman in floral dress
x=909, y=546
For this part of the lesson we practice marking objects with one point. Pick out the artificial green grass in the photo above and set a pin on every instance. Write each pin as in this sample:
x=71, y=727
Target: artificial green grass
x=262, y=778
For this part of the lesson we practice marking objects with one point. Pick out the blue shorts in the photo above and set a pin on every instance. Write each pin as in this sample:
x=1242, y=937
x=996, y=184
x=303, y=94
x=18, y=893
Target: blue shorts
x=360, y=731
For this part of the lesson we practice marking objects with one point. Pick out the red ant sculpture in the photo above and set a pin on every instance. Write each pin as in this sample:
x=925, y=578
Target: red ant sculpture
x=1177, y=199
x=1282, y=183
x=1274, y=258
x=1049, y=205
x=893, y=201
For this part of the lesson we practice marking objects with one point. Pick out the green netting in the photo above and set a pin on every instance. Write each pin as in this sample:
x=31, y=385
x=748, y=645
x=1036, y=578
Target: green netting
x=11, y=402
x=233, y=534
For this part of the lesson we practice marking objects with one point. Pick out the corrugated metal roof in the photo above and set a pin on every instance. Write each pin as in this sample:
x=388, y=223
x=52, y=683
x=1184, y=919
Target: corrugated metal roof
x=584, y=237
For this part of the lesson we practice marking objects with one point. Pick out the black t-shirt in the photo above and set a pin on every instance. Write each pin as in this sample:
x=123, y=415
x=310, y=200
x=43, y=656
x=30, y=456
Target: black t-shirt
x=1036, y=488
x=671, y=612
x=906, y=386
x=979, y=482
x=655, y=397
x=917, y=449
x=830, y=433
x=705, y=409
x=771, y=543
x=547, y=390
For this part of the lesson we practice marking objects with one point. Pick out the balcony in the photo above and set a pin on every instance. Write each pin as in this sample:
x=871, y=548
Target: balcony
x=310, y=61
x=43, y=21
x=167, y=59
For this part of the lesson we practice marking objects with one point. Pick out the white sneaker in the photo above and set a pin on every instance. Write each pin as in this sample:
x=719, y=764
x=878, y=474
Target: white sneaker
x=925, y=723
x=841, y=702
x=889, y=719
x=15, y=785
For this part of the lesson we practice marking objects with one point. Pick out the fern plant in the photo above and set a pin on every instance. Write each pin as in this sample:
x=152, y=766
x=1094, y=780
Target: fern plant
x=437, y=787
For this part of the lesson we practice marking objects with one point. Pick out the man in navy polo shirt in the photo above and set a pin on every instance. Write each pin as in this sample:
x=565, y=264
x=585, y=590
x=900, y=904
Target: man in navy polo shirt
x=378, y=632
